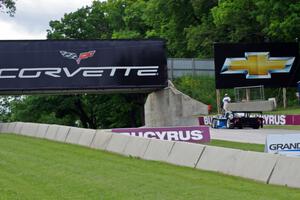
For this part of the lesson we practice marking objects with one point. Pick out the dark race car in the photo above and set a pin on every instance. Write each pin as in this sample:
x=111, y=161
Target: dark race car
x=238, y=120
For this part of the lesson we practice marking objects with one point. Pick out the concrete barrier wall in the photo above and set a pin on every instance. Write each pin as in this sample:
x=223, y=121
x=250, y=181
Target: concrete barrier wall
x=252, y=106
x=101, y=139
x=7, y=127
x=252, y=165
x=117, y=143
x=136, y=146
x=286, y=172
x=51, y=132
x=185, y=154
x=29, y=129
x=87, y=137
x=4, y=127
x=268, y=168
x=11, y=127
x=18, y=127
x=1, y=125
x=42, y=130
x=255, y=165
x=80, y=136
x=158, y=150
x=61, y=133
x=218, y=159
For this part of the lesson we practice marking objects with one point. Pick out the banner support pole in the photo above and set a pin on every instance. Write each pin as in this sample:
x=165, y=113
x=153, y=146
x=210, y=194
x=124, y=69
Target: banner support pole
x=218, y=100
x=284, y=97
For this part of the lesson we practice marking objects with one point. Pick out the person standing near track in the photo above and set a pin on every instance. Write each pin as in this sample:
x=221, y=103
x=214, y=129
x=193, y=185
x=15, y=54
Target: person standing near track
x=225, y=102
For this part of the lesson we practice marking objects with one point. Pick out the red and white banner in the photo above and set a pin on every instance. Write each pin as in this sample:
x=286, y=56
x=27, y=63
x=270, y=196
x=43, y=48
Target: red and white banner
x=194, y=134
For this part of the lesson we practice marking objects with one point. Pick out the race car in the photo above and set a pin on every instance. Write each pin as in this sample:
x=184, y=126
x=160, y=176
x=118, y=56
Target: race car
x=238, y=120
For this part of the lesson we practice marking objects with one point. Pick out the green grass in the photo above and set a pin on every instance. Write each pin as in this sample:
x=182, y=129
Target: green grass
x=286, y=127
x=39, y=169
x=295, y=110
x=238, y=145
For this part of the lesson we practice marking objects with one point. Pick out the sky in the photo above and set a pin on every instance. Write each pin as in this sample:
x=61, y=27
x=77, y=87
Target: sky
x=32, y=17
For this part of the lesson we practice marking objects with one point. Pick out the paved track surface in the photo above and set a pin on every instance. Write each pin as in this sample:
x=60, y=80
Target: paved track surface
x=257, y=136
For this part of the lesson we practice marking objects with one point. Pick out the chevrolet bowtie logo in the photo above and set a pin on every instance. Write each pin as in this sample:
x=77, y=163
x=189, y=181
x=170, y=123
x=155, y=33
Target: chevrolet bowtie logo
x=257, y=65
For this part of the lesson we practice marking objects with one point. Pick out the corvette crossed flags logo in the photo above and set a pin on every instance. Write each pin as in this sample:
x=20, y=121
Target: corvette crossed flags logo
x=257, y=65
x=82, y=56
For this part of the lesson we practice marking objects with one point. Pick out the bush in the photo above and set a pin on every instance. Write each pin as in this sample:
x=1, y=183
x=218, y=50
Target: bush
x=201, y=88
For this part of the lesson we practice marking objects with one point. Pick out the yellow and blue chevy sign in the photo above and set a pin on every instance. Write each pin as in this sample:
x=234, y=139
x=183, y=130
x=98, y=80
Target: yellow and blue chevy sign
x=268, y=64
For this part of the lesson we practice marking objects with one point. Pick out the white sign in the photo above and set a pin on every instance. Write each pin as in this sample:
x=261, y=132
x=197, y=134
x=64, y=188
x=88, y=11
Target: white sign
x=284, y=144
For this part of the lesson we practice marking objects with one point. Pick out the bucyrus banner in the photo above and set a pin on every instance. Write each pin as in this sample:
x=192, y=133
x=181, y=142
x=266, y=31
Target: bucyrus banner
x=193, y=134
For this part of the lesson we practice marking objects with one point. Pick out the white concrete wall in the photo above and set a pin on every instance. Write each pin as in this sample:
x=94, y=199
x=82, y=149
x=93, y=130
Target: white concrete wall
x=1, y=126
x=42, y=130
x=87, y=137
x=170, y=107
x=101, y=139
x=286, y=172
x=18, y=127
x=62, y=133
x=185, y=154
x=262, y=167
x=252, y=165
x=29, y=129
x=219, y=159
x=51, y=133
x=252, y=106
x=158, y=150
x=4, y=127
x=117, y=143
x=136, y=146
x=255, y=165
x=11, y=127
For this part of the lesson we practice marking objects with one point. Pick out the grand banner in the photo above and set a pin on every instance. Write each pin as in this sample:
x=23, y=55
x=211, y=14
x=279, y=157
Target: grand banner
x=268, y=64
x=80, y=65
x=194, y=134
x=284, y=144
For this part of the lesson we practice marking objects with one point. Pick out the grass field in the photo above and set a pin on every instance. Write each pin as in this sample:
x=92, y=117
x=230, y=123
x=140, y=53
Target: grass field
x=287, y=111
x=286, y=127
x=238, y=145
x=39, y=169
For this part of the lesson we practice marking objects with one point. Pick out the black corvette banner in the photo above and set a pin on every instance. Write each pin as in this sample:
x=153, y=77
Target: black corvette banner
x=80, y=65
x=268, y=64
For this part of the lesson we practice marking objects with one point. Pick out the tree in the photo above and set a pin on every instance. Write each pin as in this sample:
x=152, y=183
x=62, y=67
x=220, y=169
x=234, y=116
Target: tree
x=8, y=6
x=85, y=23
x=168, y=19
x=201, y=36
x=116, y=19
x=38, y=109
x=237, y=18
x=243, y=21
x=279, y=19
x=87, y=110
x=131, y=18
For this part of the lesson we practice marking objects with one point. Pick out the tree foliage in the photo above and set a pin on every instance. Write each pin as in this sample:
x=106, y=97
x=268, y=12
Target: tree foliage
x=8, y=6
x=87, y=110
x=190, y=27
